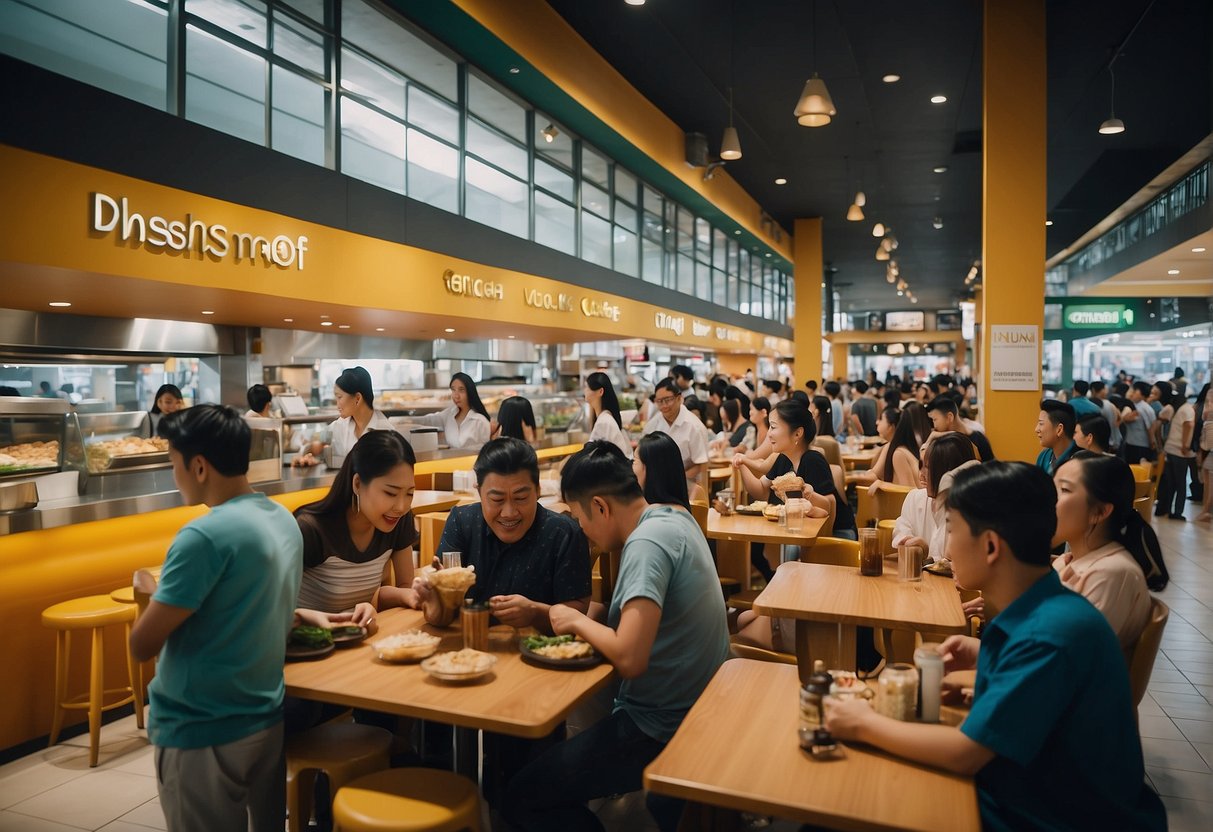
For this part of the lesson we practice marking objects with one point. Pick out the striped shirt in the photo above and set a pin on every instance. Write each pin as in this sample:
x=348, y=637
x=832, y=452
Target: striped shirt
x=336, y=574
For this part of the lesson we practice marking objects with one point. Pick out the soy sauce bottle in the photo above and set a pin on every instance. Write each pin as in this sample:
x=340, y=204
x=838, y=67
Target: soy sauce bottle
x=812, y=695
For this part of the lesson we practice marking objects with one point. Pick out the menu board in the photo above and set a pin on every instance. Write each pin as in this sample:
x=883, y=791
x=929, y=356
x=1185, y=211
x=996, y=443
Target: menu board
x=904, y=321
x=948, y=319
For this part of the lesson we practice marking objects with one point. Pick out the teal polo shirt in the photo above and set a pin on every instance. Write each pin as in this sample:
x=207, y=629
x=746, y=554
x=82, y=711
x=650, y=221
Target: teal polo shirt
x=1051, y=462
x=1052, y=702
x=1084, y=407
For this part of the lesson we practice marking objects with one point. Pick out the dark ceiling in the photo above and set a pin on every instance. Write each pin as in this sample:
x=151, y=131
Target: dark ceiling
x=683, y=55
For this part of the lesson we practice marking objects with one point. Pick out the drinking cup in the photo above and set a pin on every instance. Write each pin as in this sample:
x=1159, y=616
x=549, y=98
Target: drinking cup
x=871, y=563
x=909, y=563
x=452, y=560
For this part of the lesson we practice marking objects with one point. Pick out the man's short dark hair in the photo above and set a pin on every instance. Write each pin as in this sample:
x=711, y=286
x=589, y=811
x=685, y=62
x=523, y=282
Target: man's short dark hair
x=215, y=432
x=599, y=470
x=774, y=384
x=1015, y=500
x=800, y=396
x=506, y=456
x=811, y=384
x=1081, y=387
x=258, y=397
x=943, y=404
x=1097, y=427
x=1060, y=413
x=666, y=384
x=861, y=387
x=1142, y=387
x=718, y=387
x=1097, y=386
x=682, y=371
x=833, y=388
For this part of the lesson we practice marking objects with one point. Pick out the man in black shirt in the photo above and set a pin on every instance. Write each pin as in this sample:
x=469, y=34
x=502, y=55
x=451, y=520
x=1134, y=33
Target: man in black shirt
x=526, y=556
x=945, y=418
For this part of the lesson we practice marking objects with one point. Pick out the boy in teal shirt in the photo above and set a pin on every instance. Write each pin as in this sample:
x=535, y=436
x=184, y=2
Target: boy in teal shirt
x=219, y=621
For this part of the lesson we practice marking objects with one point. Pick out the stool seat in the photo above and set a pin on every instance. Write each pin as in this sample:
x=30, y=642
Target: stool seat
x=342, y=750
x=408, y=800
x=123, y=595
x=86, y=613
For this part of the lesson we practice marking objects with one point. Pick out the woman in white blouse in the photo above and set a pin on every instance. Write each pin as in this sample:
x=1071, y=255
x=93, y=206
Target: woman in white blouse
x=604, y=407
x=356, y=415
x=922, y=514
x=465, y=423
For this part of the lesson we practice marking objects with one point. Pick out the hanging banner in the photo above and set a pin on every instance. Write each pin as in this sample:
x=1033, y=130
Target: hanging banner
x=1014, y=357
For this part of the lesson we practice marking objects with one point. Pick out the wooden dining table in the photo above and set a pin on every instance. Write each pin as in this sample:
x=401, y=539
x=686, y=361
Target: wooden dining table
x=515, y=698
x=829, y=602
x=721, y=759
x=735, y=532
x=859, y=458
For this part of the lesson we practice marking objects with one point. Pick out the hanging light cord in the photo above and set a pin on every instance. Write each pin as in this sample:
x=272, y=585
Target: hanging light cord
x=1119, y=50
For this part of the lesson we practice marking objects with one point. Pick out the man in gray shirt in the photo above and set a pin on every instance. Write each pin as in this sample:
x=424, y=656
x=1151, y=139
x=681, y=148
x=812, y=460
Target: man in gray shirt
x=863, y=410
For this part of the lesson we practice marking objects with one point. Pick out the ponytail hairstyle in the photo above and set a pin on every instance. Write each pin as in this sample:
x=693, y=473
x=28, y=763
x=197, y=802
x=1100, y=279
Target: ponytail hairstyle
x=825, y=415
x=610, y=402
x=355, y=380
x=743, y=401
x=1109, y=480
x=732, y=413
x=764, y=404
x=903, y=437
x=373, y=456
x=919, y=420
x=474, y=403
x=797, y=417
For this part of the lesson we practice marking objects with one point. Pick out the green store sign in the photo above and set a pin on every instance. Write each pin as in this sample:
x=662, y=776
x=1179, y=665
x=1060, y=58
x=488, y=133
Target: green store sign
x=1101, y=316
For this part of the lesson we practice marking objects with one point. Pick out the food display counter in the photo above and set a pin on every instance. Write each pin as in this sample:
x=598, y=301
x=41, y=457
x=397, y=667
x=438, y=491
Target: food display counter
x=41, y=443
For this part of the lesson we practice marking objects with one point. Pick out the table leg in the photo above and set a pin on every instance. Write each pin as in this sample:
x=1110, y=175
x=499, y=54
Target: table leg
x=834, y=644
x=466, y=752
x=733, y=561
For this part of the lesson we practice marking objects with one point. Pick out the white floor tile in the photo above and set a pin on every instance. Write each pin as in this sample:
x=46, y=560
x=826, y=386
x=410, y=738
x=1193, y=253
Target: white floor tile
x=149, y=814
x=91, y=801
x=32, y=775
x=1172, y=754
x=1188, y=815
x=13, y=822
x=1159, y=727
x=124, y=826
x=1192, y=785
x=1196, y=730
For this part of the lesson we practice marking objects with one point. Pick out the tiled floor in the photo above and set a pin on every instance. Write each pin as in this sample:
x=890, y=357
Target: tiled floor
x=55, y=790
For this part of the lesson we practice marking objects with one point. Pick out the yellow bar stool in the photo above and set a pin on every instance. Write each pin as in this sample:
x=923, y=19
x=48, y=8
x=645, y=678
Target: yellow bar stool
x=408, y=800
x=94, y=612
x=344, y=751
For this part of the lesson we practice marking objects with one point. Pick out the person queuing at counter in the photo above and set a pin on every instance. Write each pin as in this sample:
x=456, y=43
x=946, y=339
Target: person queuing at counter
x=1092, y=433
x=1113, y=558
x=168, y=400
x=526, y=556
x=259, y=400
x=1055, y=430
x=1137, y=418
x=604, y=412
x=673, y=418
x=465, y=424
x=1111, y=413
x=219, y=620
x=1051, y=737
x=665, y=632
x=656, y=465
x=1178, y=453
x=1078, y=400
x=362, y=525
x=897, y=461
x=944, y=414
x=356, y=415
x=516, y=419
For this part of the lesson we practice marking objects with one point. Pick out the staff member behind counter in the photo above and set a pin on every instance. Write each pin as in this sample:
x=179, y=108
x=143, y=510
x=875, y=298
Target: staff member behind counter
x=168, y=400
x=355, y=400
x=465, y=424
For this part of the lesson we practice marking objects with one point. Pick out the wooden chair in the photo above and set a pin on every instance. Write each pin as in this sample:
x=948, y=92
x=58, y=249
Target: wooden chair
x=748, y=651
x=832, y=551
x=831, y=451
x=1141, y=473
x=1156, y=475
x=1143, y=498
x=884, y=536
x=885, y=504
x=1145, y=651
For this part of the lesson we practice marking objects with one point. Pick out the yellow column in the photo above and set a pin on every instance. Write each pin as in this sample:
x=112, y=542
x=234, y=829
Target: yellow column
x=807, y=267
x=1013, y=209
x=838, y=357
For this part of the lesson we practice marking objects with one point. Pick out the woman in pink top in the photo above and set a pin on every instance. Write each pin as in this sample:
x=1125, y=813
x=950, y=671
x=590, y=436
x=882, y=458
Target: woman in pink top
x=1113, y=559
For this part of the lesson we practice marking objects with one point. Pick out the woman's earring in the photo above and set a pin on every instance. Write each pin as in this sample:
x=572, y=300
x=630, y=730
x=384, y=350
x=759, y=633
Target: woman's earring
x=357, y=503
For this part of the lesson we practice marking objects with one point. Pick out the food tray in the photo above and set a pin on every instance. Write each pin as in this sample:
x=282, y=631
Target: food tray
x=531, y=657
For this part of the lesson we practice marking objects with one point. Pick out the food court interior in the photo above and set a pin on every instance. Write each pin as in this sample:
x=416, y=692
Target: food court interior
x=215, y=194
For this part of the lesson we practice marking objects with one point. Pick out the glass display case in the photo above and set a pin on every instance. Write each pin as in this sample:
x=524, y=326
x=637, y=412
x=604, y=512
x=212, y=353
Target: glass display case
x=40, y=438
x=120, y=441
x=265, y=450
x=560, y=413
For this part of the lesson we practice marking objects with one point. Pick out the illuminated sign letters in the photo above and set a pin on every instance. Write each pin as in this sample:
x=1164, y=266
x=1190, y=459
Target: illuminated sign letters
x=472, y=287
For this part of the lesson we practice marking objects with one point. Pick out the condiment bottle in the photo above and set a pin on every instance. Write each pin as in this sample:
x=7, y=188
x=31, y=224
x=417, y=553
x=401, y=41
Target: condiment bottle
x=930, y=681
x=897, y=694
x=812, y=715
x=474, y=618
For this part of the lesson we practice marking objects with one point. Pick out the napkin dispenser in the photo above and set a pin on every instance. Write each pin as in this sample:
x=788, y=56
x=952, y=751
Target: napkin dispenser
x=421, y=437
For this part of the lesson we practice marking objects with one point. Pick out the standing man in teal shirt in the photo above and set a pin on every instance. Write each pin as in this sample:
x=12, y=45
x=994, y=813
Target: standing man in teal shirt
x=1055, y=430
x=219, y=621
x=1052, y=737
x=665, y=633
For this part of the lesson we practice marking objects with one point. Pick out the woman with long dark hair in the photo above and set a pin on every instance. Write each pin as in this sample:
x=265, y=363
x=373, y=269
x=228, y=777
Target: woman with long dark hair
x=465, y=424
x=351, y=534
x=1113, y=559
x=738, y=434
x=168, y=399
x=604, y=412
x=658, y=468
x=516, y=419
x=920, y=421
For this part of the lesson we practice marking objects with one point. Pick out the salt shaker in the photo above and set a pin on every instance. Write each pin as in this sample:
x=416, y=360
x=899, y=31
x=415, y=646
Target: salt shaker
x=930, y=681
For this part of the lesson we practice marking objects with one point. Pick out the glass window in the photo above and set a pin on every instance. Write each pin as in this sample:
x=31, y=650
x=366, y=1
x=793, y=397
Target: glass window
x=719, y=249
x=595, y=199
x=625, y=185
x=243, y=18
x=375, y=83
x=651, y=261
x=433, y=171
x=495, y=199
x=703, y=240
x=652, y=228
x=627, y=253
x=652, y=201
x=719, y=288
x=593, y=167
x=312, y=8
x=496, y=108
x=553, y=141
x=383, y=36
x=595, y=239
x=743, y=297
x=298, y=117
x=372, y=146
x=224, y=86
x=555, y=223
x=555, y=180
x=299, y=44
x=119, y=47
x=625, y=215
x=492, y=147
x=686, y=275
x=433, y=114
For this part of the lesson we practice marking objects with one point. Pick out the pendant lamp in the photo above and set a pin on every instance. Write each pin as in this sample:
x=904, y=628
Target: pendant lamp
x=855, y=213
x=730, y=146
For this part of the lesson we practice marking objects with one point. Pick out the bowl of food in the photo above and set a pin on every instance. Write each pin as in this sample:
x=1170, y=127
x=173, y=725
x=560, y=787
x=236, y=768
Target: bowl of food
x=409, y=646
x=773, y=513
x=459, y=665
x=449, y=585
x=308, y=642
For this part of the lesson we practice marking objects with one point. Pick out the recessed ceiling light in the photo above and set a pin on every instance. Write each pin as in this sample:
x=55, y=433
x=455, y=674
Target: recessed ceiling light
x=1172, y=271
x=1048, y=222
x=379, y=329
x=891, y=78
x=64, y=304
x=781, y=181
x=326, y=323
x=940, y=169
x=511, y=337
x=288, y=320
x=324, y=317
x=1197, y=250
x=514, y=70
x=737, y=231
x=449, y=329
x=635, y=2
x=938, y=99
x=768, y=254
x=343, y=326
x=208, y=312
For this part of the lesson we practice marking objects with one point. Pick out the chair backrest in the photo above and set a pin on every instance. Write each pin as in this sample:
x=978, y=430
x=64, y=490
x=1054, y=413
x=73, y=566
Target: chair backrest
x=1142, y=506
x=1142, y=488
x=831, y=450
x=840, y=480
x=831, y=551
x=1145, y=651
x=699, y=510
x=889, y=499
x=1141, y=473
x=1156, y=474
x=746, y=651
x=884, y=536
